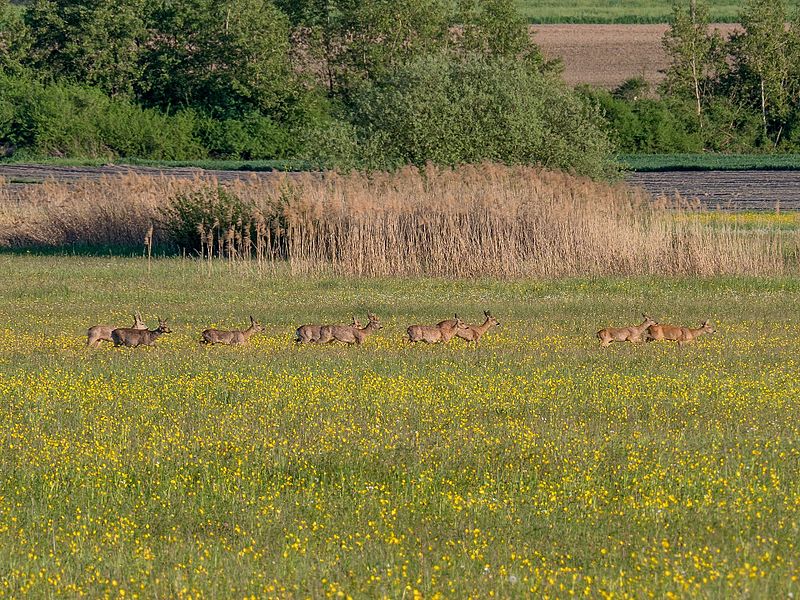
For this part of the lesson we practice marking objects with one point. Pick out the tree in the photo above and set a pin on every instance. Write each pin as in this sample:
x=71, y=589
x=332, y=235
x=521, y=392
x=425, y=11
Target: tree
x=226, y=57
x=495, y=28
x=94, y=42
x=449, y=112
x=696, y=56
x=763, y=61
x=14, y=40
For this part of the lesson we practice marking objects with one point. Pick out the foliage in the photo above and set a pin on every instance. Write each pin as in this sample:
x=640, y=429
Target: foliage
x=764, y=56
x=645, y=125
x=91, y=42
x=14, y=38
x=189, y=217
x=451, y=112
x=696, y=56
x=226, y=58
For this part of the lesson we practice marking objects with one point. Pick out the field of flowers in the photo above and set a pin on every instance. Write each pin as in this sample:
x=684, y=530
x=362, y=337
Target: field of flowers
x=535, y=463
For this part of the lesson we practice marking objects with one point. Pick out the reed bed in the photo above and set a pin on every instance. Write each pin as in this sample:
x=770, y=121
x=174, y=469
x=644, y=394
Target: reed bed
x=475, y=221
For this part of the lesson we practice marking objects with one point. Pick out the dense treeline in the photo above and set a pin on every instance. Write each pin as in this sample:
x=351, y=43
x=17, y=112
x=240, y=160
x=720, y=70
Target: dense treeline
x=374, y=84
x=723, y=95
x=351, y=83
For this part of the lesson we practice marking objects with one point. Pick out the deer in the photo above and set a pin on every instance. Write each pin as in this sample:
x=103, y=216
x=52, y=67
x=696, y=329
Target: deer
x=682, y=335
x=127, y=336
x=231, y=338
x=311, y=333
x=443, y=331
x=349, y=334
x=473, y=333
x=631, y=334
x=102, y=333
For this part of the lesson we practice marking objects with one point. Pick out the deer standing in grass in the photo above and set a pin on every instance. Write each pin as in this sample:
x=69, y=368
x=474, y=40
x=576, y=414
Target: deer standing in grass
x=443, y=331
x=682, y=335
x=349, y=334
x=231, y=338
x=127, y=336
x=310, y=334
x=102, y=333
x=473, y=333
x=625, y=334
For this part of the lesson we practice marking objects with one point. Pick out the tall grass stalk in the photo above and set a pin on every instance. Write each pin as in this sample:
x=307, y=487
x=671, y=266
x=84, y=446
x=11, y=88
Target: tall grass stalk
x=475, y=221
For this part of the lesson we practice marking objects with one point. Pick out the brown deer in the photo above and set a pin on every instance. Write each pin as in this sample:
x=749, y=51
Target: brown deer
x=232, y=338
x=682, y=335
x=625, y=334
x=443, y=331
x=309, y=334
x=102, y=333
x=126, y=336
x=349, y=334
x=473, y=333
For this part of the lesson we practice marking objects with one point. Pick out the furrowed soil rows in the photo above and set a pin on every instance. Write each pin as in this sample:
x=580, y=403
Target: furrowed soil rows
x=726, y=190
x=607, y=55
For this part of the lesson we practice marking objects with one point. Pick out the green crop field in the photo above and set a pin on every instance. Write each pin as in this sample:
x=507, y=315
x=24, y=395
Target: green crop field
x=710, y=162
x=536, y=464
x=616, y=11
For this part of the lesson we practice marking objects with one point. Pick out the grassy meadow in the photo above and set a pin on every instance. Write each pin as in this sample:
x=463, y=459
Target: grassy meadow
x=533, y=464
x=614, y=11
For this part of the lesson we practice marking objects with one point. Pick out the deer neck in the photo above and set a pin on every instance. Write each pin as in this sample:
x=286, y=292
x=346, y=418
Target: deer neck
x=371, y=326
x=640, y=328
x=248, y=332
x=483, y=328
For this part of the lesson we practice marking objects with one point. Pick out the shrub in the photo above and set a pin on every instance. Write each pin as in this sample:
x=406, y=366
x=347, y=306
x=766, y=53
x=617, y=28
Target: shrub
x=76, y=121
x=190, y=217
x=451, y=111
x=254, y=137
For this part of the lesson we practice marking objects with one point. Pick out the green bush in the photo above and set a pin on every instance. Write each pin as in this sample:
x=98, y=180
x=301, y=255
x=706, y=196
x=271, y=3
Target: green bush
x=254, y=137
x=74, y=121
x=186, y=217
x=645, y=125
x=467, y=110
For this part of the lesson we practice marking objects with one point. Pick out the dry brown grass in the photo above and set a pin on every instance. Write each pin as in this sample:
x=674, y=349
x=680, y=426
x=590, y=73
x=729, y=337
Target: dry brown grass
x=476, y=221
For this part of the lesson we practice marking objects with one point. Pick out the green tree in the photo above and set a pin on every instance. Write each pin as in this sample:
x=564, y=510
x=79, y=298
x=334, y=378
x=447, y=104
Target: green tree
x=495, y=28
x=94, y=42
x=763, y=56
x=14, y=40
x=448, y=112
x=697, y=57
x=227, y=57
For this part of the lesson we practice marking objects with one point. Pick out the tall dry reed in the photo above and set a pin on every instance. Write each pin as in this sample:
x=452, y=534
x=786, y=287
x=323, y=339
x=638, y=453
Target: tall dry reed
x=485, y=220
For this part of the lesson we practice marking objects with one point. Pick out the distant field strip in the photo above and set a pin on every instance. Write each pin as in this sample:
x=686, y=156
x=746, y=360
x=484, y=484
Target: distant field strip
x=614, y=11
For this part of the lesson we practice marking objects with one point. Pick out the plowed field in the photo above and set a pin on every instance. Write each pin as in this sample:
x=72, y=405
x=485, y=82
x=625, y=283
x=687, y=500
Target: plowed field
x=607, y=55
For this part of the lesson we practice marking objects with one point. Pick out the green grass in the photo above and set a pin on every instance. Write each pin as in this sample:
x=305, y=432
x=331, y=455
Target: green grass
x=533, y=464
x=710, y=162
x=616, y=11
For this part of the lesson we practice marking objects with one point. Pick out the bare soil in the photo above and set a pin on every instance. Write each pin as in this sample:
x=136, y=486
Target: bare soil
x=607, y=55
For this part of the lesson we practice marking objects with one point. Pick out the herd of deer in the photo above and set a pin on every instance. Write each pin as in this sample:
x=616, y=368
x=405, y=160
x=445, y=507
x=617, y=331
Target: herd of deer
x=355, y=333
